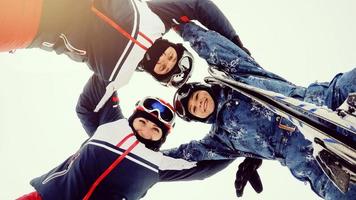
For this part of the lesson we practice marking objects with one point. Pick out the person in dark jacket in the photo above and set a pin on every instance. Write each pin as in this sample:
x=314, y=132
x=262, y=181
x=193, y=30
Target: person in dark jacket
x=121, y=160
x=114, y=38
x=242, y=127
x=111, y=37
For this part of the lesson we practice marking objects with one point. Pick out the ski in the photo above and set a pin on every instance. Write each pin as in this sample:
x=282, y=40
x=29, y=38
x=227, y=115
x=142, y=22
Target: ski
x=320, y=125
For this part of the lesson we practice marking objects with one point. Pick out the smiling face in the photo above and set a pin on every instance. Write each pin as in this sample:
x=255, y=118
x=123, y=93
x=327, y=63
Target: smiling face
x=166, y=61
x=147, y=129
x=201, y=104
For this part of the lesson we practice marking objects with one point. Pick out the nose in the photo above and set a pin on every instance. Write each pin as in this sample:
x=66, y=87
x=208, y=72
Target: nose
x=163, y=59
x=142, y=132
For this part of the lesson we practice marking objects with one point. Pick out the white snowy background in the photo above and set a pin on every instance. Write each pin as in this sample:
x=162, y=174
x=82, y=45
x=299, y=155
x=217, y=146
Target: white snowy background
x=303, y=41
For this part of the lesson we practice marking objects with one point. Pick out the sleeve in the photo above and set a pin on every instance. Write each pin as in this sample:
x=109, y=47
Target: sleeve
x=89, y=98
x=202, y=170
x=204, y=11
x=208, y=148
x=222, y=53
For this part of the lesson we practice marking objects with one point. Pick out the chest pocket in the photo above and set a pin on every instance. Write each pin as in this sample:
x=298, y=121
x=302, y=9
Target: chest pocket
x=64, y=46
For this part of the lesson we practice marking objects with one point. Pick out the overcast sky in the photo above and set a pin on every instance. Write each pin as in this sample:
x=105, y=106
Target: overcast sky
x=304, y=41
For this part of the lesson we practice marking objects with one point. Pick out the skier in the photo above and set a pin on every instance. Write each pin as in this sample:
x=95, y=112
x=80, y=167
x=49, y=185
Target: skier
x=242, y=127
x=110, y=36
x=121, y=160
x=92, y=120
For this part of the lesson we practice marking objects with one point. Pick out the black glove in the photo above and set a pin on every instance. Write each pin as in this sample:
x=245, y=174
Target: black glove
x=248, y=172
x=237, y=41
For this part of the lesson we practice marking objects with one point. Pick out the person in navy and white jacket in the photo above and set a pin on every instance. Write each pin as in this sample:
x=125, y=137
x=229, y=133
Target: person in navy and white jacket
x=110, y=36
x=121, y=161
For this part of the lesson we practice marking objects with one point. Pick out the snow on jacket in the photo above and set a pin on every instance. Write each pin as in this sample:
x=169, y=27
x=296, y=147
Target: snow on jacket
x=225, y=55
x=242, y=127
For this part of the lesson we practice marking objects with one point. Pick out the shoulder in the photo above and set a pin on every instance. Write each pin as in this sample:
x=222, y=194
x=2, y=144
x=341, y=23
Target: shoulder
x=121, y=125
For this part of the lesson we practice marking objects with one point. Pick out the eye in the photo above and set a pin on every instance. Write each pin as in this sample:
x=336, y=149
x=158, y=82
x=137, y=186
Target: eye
x=156, y=130
x=142, y=121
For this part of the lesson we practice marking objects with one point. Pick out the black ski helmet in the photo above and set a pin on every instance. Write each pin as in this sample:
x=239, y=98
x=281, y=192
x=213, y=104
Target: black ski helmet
x=181, y=98
x=157, y=111
x=181, y=71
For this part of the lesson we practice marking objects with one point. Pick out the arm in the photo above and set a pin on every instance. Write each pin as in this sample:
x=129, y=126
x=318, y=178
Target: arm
x=204, y=11
x=222, y=53
x=247, y=172
x=91, y=95
x=208, y=148
x=202, y=170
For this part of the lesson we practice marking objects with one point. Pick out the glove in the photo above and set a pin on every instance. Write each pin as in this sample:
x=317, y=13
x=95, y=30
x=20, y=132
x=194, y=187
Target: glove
x=248, y=172
x=236, y=40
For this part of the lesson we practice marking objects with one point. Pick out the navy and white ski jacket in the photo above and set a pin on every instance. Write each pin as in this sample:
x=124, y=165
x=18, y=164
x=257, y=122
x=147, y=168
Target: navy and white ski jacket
x=112, y=164
x=111, y=36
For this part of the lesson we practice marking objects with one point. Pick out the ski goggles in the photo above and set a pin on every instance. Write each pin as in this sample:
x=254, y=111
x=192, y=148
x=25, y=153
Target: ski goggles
x=165, y=112
x=183, y=71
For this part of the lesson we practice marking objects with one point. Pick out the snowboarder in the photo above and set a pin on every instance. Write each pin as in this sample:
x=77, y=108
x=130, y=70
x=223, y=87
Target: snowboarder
x=240, y=126
x=121, y=160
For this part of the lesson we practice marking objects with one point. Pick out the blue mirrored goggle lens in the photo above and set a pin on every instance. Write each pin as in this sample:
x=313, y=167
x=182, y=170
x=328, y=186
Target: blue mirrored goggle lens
x=164, y=111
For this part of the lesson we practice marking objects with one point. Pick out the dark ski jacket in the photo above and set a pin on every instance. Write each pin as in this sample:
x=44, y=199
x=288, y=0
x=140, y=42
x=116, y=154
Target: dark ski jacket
x=112, y=36
x=112, y=164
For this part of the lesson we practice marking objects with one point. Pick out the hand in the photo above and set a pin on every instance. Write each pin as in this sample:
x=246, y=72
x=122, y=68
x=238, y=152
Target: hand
x=236, y=40
x=248, y=172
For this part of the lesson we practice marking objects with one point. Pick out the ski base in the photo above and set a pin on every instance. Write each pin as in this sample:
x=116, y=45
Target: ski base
x=334, y=170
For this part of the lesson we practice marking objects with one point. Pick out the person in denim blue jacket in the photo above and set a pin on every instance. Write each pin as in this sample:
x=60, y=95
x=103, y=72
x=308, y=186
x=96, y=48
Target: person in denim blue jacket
x=242, y=127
